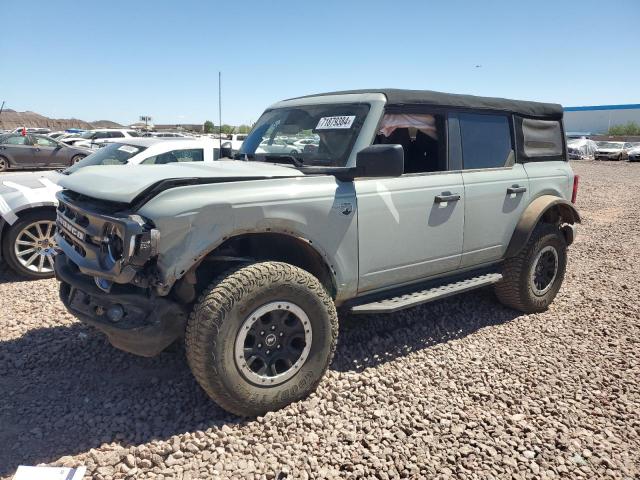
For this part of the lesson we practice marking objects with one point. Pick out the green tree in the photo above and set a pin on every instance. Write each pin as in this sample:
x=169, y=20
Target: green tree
x=629, y=128
x=244, y=129
x=208, y=126
x=227, y=128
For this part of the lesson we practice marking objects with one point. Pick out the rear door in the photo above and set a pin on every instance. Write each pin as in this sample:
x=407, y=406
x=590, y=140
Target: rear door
x=18, y=150
x=496, y=188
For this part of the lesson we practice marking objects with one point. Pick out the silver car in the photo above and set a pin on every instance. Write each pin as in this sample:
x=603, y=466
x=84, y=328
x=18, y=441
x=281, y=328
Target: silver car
x=410, y=196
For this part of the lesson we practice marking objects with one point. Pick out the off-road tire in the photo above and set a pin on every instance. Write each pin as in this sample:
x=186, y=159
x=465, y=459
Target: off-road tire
x=515, y=289
x=8, y=242
x=218, y=316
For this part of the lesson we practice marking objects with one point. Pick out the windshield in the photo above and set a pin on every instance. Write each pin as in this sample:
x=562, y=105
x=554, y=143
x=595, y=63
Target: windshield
x=330, y=132
x=609, y=145
x=87, y=135
x=111, y=154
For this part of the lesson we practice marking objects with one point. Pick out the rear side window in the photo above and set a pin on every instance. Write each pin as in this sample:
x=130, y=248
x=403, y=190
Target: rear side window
x=486, y=140
x=116, y=134
x=539, y=140
x=16, y=140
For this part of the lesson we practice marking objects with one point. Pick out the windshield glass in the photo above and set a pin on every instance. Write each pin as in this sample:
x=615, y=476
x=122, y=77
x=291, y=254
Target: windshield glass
x=330, y=132
x=110, y=154
x=610, y=145
x=87, y=135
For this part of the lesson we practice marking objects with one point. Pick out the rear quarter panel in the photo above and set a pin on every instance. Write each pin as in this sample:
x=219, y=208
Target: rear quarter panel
x=550, y=178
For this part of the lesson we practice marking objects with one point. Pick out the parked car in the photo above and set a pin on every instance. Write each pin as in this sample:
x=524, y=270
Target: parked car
x=19, y=151
x=166, y=135
x=37, y=130
x=581, y=149
x=612, y=150
x=634, y=154
x=57, y=135
x=233, y=141
x=95, y=138
x=28, y=202
x=303, y=142
x=411, y=196
x=277, y=145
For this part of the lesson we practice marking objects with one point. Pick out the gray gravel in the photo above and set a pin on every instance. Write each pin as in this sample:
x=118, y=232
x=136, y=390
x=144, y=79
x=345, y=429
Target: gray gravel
x=461, y=388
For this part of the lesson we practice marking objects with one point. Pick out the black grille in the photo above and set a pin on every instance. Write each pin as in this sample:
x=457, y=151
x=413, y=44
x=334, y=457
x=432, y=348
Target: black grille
x=73, y=242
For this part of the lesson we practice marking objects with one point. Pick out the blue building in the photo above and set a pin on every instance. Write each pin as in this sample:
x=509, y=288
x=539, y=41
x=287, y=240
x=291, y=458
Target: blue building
x=598, y=118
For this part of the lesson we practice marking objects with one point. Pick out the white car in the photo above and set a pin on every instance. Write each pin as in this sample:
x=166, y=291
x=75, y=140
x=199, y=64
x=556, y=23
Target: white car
x=167, y=135
x=28, y=200
x=57, y=135
x=303, y=142
x=233, y=141
x=94, y=138
x=278, y=145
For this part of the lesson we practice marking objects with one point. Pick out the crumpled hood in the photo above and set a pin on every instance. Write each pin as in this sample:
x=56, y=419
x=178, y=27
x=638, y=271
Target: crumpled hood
x=123, y=183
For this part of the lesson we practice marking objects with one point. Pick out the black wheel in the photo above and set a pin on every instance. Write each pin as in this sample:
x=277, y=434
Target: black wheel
x=261, y=336
x=76, y=158
x=29, y=245
x=532, y=278
x=293, y=152
x=4, y=164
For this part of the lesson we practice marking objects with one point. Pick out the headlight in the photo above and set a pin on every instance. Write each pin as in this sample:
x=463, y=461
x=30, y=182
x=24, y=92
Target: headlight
x=114, y=238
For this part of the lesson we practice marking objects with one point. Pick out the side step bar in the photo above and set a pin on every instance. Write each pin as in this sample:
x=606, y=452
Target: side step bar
x=393, y=304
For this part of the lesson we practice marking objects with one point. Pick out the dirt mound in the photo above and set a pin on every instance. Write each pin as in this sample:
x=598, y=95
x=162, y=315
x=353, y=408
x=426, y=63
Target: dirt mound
x=10, y=119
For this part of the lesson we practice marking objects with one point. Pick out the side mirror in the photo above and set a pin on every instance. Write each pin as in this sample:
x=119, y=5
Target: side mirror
x=380, y=161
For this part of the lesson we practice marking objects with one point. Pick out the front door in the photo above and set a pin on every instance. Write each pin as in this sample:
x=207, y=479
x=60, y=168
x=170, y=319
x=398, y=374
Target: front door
x=409, y=227
x=47, y=153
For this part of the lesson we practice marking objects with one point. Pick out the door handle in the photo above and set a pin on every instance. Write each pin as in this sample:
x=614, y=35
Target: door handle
x=516, y=189
x=452, y=197
x=37, y=149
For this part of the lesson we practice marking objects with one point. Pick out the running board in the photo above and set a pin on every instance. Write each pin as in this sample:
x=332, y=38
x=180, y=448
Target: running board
x=393, y=304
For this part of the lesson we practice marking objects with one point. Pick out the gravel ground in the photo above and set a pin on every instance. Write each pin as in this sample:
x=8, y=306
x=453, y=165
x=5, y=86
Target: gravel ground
x=460, y=388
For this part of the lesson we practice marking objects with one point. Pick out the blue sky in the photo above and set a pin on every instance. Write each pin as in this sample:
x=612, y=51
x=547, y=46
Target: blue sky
x=117, y=60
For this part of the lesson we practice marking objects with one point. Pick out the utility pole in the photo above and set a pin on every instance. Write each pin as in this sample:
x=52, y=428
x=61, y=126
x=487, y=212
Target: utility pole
x=220, y=111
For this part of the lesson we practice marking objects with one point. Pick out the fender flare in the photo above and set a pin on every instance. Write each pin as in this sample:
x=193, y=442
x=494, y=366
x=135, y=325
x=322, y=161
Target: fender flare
x=532, y=215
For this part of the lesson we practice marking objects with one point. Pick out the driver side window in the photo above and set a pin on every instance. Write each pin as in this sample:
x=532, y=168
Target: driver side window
x=421, y=136
x=43, y=142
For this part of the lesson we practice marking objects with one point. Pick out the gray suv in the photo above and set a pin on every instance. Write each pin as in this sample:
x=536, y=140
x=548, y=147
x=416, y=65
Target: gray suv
x=404, y=197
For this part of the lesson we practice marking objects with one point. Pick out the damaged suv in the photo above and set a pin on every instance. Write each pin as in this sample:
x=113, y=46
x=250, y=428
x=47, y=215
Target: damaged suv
x=407, y=197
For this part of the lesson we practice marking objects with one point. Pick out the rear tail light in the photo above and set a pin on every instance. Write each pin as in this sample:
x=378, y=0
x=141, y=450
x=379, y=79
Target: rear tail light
x=574, y=194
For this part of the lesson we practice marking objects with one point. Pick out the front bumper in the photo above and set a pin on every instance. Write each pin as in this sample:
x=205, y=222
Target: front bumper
x=148, y=324
x=570, y=232
x=104, y=245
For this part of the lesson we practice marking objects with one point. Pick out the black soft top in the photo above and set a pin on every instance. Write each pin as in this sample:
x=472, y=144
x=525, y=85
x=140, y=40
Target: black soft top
x=398, y=97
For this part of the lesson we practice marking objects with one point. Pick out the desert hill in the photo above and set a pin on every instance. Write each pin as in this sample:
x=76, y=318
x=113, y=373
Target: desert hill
x=10, y=119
